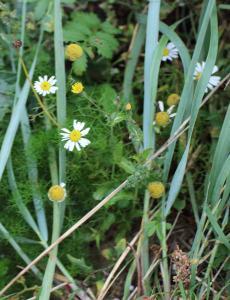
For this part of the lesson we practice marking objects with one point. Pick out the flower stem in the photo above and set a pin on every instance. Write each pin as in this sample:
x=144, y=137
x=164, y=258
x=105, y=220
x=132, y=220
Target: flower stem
x=50, y=269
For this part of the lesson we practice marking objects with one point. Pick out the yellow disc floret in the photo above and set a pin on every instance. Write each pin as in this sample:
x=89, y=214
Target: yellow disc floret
x=173, y=99
x=75, y=135
x=198, y=76
x=156, y=189
x=57, y=193
x=165, y=52
x=73, y=52
x=77, y=88
x=45, y=86
x=162, y=118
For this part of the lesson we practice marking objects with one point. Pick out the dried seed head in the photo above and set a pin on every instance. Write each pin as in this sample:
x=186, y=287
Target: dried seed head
x=17, y=44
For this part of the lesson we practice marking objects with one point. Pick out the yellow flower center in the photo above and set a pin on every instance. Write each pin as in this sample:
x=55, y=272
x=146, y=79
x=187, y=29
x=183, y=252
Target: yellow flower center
x=165, y=52
x=56, y=193
x=162, y=118
x=75, y=135
x=45, y=86
x=77, y=88
x=173, y=99
x=198, y=76
x=156, y=189
x=73, y=52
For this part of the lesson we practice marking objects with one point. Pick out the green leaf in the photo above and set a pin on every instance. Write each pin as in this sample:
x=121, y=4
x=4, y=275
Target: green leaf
x=117, y=117
x=179, y=204
x=74, y=32
x=151, y=228
x=106, y=97
x=80, y=65
x=109, y=28
x=105, y=44
x=89, y=20
x=126, y=165
x=41, y=8
x=80, y=265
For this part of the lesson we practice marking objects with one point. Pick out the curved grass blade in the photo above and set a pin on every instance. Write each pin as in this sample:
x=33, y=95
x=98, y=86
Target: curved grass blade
x=18, y=200
x=197, y=98
x=16, y=115
x=18, y=249
x=33, y=178
x=186, y=96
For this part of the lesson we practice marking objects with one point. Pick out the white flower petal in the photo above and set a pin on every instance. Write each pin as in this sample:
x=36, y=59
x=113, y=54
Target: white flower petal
x=214, y=80
x=161, y=105
x=77, y=147
x=84, y=142
x=170, y=45
x=172, y=115
x=65, y=130
x=67, y=144
x=170, y=109
x=85, y=131
x=71, y=146
x=215, y=69
x=79, y=126
x=62, y=184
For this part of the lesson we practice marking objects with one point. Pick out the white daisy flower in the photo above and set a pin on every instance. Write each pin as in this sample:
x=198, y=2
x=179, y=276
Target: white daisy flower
x=163, y=117
x=213, y=80
x=170, y=52
x=75, y=137
x=45, y=86
x=57, y=193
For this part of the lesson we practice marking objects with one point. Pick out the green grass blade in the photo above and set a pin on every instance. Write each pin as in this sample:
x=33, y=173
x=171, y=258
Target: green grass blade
x=224, y=174
x=198, y=95
x=132, y=63
x=33, y=177
x=18, y=249
x=18, y=200
x=221, y=153
x=16, y=116
x=221, y=236
x=186, y=99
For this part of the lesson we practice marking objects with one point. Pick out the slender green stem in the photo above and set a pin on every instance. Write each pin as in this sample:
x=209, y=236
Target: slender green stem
x=50, y=269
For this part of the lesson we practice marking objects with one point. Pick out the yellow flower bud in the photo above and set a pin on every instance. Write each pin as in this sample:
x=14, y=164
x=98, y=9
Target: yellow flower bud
x=73, y=52
x=173, y=99
x=57, y=193
x=77, y=88
x=156, y=189
x=128, y=106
